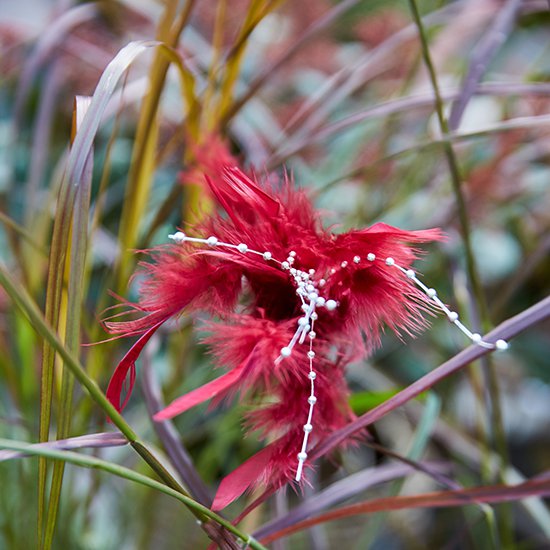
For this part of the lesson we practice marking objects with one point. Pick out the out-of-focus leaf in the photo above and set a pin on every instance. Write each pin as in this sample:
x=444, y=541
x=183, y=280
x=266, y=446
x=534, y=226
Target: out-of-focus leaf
x=341, y=490
x=142, y=167
x=48, y=40
x=89, y=441
x=20, y=230
x=311, y=32
x=462, y=497
x=364, y=401
x=167, y=433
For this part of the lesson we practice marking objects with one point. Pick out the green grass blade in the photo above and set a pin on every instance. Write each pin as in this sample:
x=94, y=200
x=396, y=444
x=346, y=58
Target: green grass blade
x=75, y=294
x=72, y=177
x=425, y=427
x=22, y=299
x=130, y=475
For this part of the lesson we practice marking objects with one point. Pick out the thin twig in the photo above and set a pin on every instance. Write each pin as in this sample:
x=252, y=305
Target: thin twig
x=479, y=303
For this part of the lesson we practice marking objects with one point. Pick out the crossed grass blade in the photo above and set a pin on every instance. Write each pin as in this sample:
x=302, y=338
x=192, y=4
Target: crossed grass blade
x=35, y=317
x=486, y=494
x=130, y=475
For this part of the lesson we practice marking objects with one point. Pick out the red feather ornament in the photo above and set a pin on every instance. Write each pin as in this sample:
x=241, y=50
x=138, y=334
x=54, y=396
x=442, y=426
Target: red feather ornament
x=315, y=301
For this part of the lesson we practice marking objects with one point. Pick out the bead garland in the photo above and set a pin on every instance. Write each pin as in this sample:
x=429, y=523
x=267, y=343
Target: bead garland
x=308, y=290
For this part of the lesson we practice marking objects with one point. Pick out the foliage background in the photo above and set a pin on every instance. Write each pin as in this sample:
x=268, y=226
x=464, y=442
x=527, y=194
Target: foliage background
x=343, y=101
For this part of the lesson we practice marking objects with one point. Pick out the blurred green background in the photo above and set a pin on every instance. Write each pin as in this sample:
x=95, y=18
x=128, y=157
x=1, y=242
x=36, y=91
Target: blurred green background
x=344, y=102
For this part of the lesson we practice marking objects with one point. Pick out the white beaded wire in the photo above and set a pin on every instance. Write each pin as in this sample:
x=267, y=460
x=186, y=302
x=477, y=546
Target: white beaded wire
x=308, y=426
x=308, y=291
x=451, y=315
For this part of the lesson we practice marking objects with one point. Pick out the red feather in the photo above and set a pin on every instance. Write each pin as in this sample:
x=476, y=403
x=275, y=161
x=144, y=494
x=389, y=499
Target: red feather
x=208, y=391
x=241, y=479
x=277, y=218
x=128, y=364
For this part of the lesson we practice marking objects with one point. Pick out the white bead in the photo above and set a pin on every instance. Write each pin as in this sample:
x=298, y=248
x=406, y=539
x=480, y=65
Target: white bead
x=293, y=271
x=501, y=345
x=302, y=456
x=292, y=254
x=453, y=316
x=322, y=282
x=312, y=335
x=285, y=265
x=331, y=305
x=344, y=264
x=312, y=375
x=311, y=354
x=390, y=261
x=290, y=260
x=286, y=351
x=302, y=321
x=305, y=307
x=371, y=257
x=313, y=296
x=267, y=255
x=310, y=288
x=476, y=337
x=212, y=241
x=431, y=292
x=312, y=400
x=320, y=301
x=308, y=428
x=410, y=274
x=314, y=316
x=177, y=237
x=357, y=259
x=311, y=271
x=242, y=248
x=332, y=271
